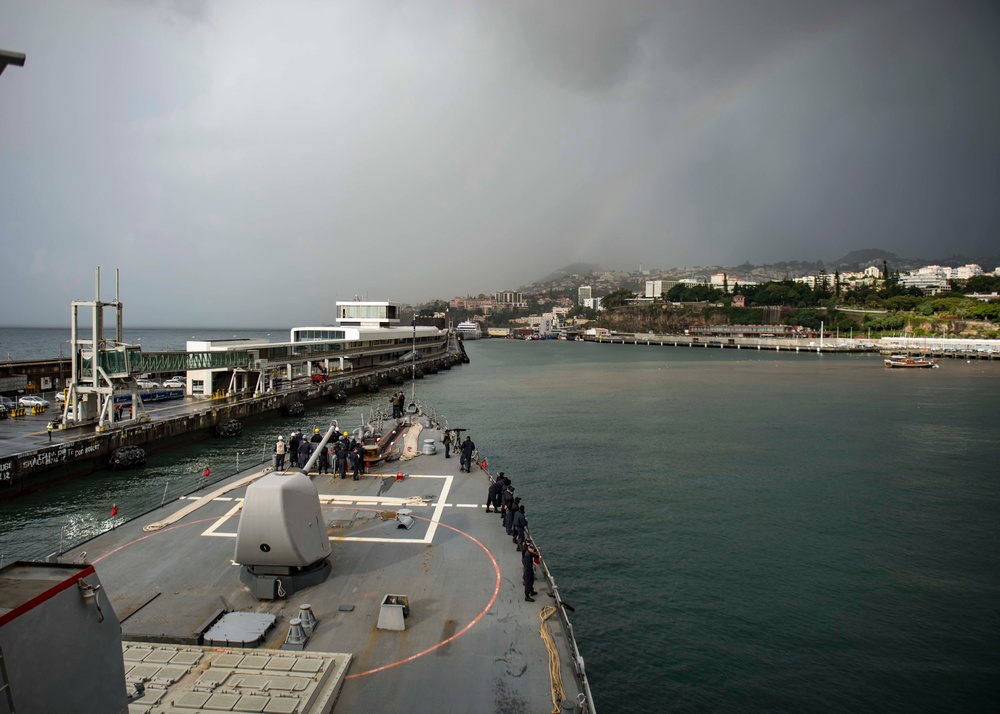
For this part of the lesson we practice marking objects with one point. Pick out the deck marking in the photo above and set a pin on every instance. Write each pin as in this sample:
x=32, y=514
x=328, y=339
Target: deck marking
x=472, y=623
x=428, y=538
x=211, y=531
x=363, y=503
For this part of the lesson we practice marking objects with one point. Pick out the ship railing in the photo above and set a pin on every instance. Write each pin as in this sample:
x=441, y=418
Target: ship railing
x=577, y=658
x=587, y=702
x=80, y=529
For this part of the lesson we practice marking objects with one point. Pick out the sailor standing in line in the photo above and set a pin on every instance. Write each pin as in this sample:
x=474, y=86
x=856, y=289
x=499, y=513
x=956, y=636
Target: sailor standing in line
x=507, y=500
x=492, y=495
x=528, y=557
x=520, y=522
x=498, y=496
x=279, y=454
x=509, y=513
x=447, y=445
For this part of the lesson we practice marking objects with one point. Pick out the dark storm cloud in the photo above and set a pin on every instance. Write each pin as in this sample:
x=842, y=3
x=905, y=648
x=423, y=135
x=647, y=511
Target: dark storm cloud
x=266, y=160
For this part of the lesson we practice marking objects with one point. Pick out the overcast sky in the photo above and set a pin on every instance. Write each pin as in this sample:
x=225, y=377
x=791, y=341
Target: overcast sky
x=249, y=163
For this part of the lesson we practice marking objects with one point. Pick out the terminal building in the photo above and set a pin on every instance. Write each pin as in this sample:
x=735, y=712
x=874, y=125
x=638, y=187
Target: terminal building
x=367, y=334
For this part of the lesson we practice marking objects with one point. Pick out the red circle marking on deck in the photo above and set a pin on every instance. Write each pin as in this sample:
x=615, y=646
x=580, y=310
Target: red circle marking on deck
x=150, y=535
x=442, y=643
x=477, y=618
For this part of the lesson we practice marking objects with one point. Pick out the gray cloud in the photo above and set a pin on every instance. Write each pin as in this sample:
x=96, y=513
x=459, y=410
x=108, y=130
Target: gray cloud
x=246, y=164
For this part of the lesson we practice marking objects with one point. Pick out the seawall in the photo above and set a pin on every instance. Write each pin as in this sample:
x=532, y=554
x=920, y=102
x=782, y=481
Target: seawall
x=77, y=457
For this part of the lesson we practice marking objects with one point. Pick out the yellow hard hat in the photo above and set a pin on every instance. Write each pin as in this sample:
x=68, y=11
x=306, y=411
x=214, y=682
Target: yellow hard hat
x=345, y=433
x=315, y=431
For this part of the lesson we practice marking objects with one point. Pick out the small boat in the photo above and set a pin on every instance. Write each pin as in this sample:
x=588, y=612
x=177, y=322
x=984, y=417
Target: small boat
x=908, y=362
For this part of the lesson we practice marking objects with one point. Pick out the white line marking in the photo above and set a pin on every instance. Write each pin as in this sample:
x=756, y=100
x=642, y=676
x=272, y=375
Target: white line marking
x=232, y=512
x=333, y=500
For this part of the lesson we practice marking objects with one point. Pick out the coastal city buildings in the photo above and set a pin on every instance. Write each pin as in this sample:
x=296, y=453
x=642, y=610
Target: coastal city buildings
x=509, y=300
x=564, y=292
x=486, y=304
x=936, y=278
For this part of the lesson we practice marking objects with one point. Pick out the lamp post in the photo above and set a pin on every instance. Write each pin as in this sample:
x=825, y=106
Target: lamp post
x=413, y=361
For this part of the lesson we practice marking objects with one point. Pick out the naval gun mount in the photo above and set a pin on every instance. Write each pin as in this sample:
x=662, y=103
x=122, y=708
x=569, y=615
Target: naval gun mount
x=281, y=541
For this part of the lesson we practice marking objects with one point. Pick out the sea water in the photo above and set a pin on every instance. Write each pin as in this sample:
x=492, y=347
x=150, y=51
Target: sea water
x=736, y=530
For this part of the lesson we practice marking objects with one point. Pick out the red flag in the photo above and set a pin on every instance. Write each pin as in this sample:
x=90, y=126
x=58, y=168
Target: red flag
x=114, y=510
x=207, y=473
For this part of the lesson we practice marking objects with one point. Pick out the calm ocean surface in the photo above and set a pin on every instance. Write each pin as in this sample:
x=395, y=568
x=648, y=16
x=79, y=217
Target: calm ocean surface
x=737, y=530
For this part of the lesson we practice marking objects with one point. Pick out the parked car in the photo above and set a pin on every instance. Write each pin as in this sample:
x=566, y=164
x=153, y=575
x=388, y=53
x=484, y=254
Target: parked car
x=8, y=402
x=33, y=401
x=4, y=413
x=60, y=397
x=174, y=384
x=146, y=384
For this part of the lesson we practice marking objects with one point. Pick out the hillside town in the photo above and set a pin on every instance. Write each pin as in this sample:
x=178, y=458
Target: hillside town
x=921, y=299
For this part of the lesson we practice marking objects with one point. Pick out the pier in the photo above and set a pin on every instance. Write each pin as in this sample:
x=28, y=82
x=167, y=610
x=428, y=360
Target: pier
x=109, y=402
x=30, y=459
x=948, y=348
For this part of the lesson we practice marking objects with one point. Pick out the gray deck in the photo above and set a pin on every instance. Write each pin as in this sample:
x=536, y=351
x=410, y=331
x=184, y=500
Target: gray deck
x=471, y=642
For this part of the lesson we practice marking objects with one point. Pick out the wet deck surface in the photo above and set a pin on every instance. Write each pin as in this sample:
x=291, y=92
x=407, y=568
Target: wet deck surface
x=471, y=642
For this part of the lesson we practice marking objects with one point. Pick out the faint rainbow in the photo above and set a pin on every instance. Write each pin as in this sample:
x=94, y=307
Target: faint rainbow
x=618, y=195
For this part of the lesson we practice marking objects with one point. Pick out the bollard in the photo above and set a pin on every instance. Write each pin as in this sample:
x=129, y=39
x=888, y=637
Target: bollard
x=309, y=620
x=296, y=638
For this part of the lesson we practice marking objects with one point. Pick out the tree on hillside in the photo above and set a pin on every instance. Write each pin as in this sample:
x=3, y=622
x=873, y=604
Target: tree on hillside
x=983, y=284
x=617, y=298
x=683, y=292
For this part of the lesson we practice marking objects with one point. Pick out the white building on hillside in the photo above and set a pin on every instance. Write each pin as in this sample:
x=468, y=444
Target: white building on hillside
x=656, y=288
x=931, y=279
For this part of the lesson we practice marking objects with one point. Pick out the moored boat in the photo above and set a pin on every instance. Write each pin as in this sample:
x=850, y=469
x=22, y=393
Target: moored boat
x=908, y=362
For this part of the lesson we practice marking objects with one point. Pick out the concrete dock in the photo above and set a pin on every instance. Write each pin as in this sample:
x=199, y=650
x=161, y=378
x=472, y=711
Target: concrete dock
x=31, y=457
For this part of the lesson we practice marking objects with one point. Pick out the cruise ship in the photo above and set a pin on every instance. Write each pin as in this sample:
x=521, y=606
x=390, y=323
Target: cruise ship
x=469, y=330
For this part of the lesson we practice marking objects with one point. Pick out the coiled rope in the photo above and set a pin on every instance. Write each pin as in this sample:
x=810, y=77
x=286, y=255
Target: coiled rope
x=555, y=667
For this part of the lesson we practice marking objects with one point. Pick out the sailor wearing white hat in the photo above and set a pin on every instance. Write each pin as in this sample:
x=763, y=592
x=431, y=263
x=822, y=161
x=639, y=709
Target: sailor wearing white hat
x=279, y=454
